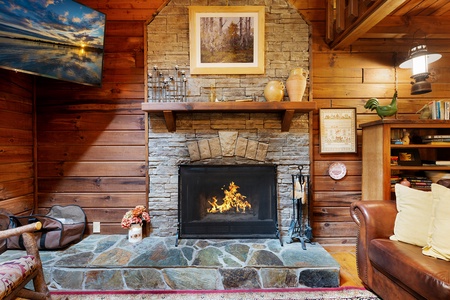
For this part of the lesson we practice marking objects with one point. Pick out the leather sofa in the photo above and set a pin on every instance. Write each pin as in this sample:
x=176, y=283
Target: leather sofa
x=393, y=269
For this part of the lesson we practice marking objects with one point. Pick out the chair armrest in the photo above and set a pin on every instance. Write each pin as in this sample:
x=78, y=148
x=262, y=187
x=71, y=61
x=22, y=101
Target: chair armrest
x=20, y=230
x=375, y=219
x=40, y=286
x=28, y=238
x=378, y=217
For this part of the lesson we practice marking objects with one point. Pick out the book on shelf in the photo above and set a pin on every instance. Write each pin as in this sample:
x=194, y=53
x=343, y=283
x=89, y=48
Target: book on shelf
x=439, y=142
x=436, y=162
x=440, y=110
x=437, y=136
x=436, y=139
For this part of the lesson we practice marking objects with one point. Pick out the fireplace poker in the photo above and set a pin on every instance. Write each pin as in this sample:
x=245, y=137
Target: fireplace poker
x=300, y=227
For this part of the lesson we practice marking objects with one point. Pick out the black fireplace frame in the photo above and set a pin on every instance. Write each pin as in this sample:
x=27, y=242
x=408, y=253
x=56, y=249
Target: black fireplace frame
x=261, y=229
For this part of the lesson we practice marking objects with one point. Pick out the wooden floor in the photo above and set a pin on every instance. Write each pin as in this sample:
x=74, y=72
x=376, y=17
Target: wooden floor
x=346, y=257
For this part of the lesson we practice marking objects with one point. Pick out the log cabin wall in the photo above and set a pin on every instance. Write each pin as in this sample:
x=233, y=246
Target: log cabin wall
x=348, y=78
x=91, y=141
x=17, y=174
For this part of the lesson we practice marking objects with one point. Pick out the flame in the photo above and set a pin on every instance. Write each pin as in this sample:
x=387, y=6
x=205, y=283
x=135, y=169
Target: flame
x=232, y=199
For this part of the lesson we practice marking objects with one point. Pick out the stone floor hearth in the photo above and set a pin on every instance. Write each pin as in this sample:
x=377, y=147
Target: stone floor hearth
x=110, y=262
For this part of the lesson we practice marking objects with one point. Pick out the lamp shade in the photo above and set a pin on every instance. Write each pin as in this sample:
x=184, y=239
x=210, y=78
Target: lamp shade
x=418, y=61
x=419, y=58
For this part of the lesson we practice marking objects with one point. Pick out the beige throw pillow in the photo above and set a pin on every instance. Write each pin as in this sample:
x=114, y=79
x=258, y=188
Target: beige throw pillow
x=414, y=211
x=438, y=241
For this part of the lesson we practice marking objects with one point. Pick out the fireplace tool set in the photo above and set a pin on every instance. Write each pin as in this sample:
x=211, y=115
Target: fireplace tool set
x=300, y=228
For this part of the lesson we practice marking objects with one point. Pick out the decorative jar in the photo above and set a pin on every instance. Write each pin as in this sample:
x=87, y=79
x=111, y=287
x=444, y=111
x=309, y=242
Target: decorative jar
x=296, y=84
x=274, y=91
x=135, y=233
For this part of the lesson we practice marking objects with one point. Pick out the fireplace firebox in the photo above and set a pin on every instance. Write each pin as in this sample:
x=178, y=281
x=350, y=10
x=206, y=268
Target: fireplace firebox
x=227, y=201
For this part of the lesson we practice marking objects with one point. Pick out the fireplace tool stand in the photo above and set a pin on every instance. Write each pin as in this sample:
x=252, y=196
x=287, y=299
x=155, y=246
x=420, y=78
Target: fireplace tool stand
x=300, y=228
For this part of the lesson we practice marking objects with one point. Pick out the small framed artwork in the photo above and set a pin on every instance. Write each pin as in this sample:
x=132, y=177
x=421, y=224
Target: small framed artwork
x=338, y=130
x=407, y=157
x=226, y=39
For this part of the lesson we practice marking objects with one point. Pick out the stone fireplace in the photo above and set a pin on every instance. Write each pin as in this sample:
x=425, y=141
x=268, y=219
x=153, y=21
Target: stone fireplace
x=237, y=138
x=224, y=139
x=231, y=139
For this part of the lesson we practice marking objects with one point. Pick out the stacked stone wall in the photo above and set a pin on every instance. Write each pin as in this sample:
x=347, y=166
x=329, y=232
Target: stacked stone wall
x=286, y=47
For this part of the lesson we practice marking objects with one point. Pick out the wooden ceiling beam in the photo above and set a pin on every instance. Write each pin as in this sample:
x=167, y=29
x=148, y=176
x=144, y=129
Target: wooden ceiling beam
x=418, y=27
x=376, y=12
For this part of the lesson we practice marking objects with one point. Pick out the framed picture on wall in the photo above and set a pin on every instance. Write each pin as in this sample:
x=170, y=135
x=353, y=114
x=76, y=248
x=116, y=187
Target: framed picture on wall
x=226, y=39
x=338, y=130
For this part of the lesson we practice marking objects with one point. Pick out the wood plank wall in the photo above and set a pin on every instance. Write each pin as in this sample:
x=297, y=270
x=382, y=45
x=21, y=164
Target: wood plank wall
x=92, y=150
x=348, y=78
x=91, y=141
x=17, y=175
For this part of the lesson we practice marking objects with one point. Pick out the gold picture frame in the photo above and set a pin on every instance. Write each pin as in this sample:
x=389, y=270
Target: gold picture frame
x=214, y=46
x=338, y=130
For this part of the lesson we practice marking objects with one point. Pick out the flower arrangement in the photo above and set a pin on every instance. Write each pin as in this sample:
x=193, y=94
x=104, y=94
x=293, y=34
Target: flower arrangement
x=137, y=215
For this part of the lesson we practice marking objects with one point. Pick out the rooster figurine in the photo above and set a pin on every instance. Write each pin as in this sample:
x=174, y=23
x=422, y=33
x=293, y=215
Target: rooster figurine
x=384, y=110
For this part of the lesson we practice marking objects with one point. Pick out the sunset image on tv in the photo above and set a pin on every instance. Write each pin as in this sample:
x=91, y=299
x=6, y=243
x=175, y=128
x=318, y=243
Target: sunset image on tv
x=57, y=39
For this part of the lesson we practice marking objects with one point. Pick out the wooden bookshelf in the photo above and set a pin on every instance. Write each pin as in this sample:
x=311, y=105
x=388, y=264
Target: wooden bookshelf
x=377, y=150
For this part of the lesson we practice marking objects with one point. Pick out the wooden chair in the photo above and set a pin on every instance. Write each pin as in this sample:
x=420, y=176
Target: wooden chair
x=15, y=274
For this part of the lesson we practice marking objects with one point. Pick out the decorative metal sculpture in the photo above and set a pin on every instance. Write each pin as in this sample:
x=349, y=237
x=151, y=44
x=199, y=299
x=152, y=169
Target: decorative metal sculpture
x=167, y=85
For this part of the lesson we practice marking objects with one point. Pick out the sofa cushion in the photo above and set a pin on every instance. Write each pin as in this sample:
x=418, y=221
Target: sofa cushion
x=414, y=211
x=406, y=264
x=439, y=242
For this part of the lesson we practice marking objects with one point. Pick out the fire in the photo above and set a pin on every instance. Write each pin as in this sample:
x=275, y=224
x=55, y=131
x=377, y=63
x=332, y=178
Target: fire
x=232, y=199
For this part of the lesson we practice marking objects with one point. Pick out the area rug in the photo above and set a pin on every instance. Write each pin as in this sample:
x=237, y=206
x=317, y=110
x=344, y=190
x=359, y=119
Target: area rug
x=349, y=293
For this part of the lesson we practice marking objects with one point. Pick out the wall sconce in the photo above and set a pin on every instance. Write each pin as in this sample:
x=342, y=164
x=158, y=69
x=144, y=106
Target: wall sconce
x=418, y=61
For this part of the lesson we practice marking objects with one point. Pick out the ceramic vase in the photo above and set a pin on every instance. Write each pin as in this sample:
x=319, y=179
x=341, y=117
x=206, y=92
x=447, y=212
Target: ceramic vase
x=274, y=91
x=296, y=84
x=135, y=233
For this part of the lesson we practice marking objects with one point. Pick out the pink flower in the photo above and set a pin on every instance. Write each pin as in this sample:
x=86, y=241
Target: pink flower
x=137, y=215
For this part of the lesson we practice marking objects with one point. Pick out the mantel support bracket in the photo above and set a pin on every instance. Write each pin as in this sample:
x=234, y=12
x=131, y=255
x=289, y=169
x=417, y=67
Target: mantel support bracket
x=170, y=118
x=287, y=119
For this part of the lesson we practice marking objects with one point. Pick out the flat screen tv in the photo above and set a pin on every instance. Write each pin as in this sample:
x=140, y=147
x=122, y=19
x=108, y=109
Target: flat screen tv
x=57, y=39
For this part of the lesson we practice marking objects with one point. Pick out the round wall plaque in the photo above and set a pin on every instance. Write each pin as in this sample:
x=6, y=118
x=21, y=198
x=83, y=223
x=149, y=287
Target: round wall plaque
x=337, y=170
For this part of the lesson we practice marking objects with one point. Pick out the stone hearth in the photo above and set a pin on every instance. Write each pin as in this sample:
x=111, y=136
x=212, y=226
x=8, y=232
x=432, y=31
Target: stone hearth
x=110, y=262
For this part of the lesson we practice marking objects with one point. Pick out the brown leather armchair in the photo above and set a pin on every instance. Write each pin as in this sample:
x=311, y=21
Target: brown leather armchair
x=393, y=269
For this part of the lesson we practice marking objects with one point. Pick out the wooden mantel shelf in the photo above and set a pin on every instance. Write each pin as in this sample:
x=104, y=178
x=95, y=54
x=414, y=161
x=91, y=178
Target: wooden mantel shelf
x=170, y=109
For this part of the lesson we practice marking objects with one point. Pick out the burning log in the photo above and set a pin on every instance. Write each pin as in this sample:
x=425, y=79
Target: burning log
x=232, y=200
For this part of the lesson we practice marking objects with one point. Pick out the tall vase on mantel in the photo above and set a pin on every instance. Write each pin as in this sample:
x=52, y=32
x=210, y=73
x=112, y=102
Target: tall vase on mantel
x=296, y=84
x=135, y=233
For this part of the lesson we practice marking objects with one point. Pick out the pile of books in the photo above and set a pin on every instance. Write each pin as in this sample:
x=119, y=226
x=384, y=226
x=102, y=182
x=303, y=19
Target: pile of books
x=436, y=139
x=420, y=183
x=417, y=182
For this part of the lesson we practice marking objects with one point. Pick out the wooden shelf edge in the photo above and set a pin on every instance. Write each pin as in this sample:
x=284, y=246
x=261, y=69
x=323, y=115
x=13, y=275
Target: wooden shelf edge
x=410, y=123
x=170, y=109
x=421, y=168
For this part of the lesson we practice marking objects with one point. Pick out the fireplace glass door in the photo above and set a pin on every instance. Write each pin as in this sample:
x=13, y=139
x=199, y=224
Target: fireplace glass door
x=227, y=201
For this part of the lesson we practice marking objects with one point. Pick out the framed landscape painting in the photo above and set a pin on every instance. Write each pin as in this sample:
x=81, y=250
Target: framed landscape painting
x=226, y=39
